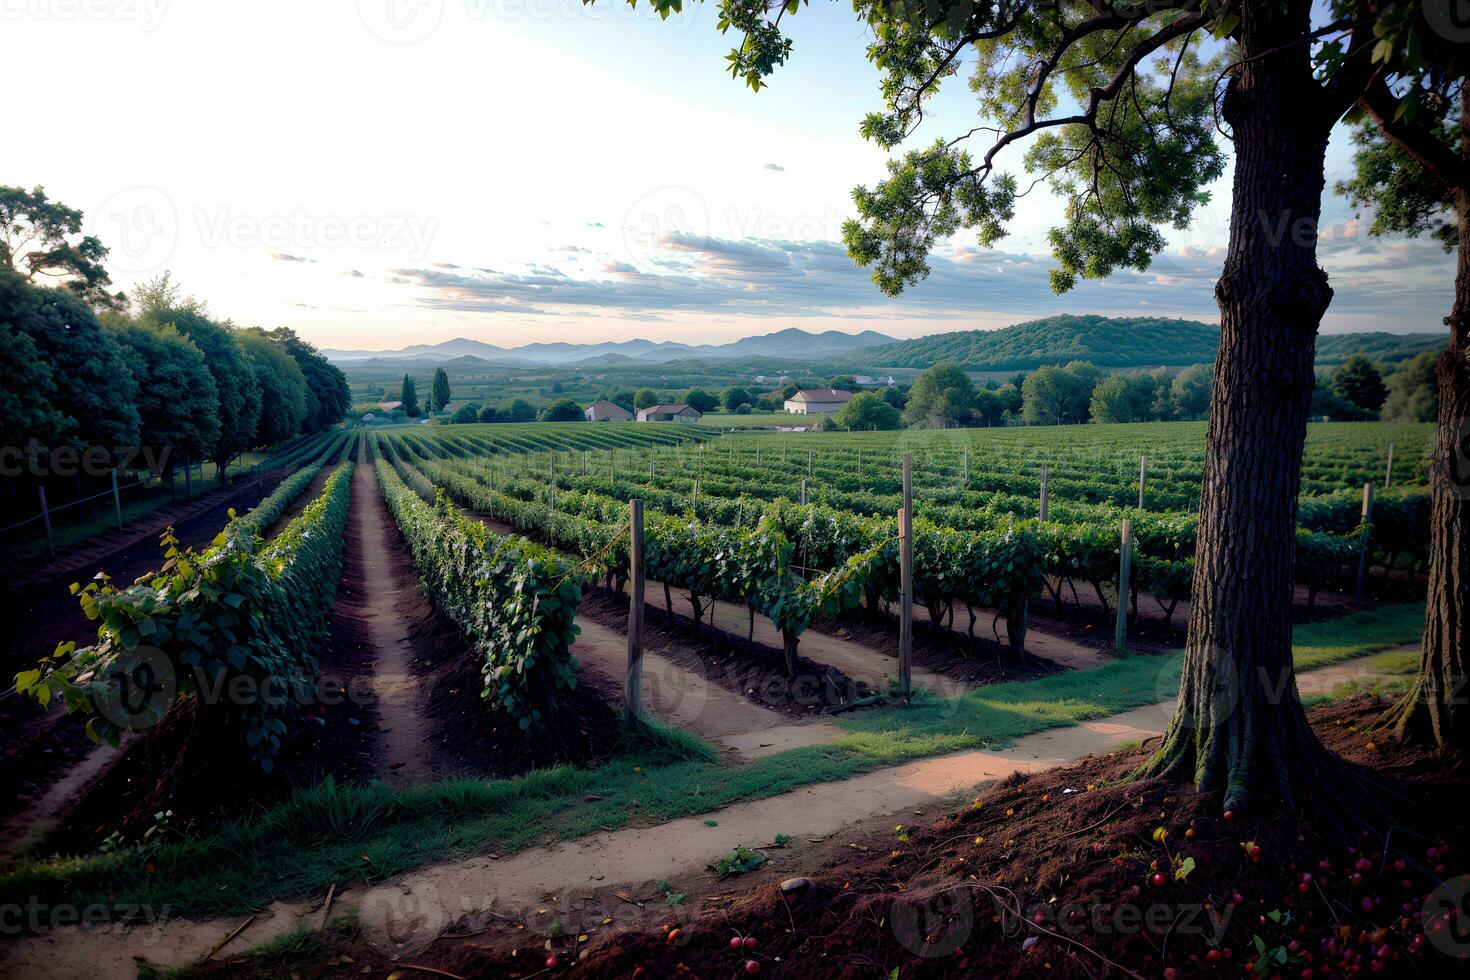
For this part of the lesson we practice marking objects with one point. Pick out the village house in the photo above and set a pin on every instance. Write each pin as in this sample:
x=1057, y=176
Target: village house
x=606, y=411
x=817, y=401
x=669, y=413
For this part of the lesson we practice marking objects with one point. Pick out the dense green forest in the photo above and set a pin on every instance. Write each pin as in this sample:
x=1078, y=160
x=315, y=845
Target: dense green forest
x=1112, y=342
x=166, y=375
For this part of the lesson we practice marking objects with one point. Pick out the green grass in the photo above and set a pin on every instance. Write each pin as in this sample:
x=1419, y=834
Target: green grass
x=1326, y=642
x=343, y=833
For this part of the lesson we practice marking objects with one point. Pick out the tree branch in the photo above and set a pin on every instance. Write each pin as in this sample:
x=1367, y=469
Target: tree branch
x=1418, y=141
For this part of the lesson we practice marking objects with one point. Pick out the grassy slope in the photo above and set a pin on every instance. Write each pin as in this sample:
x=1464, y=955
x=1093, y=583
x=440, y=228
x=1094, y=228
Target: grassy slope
x=345, y=833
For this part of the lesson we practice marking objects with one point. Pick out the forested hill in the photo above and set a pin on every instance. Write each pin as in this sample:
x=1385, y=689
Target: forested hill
x=1114, y=342
x=1109, y=342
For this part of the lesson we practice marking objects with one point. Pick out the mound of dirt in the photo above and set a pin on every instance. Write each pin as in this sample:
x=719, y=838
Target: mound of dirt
x=1075, y=873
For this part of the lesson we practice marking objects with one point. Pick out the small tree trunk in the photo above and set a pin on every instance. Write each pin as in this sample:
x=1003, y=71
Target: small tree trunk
x=1434, y=712
x=1240, y=729
x=789, y=642
x=1016, y=626
x=668, y=607
x=698, y=608
x=750, y=632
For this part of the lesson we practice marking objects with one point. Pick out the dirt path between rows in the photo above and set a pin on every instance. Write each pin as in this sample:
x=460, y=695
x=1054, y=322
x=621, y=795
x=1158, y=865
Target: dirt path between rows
x=372, y=601
x=414, y=908
x=312, y=491
x=862, y=663
x=670, y=691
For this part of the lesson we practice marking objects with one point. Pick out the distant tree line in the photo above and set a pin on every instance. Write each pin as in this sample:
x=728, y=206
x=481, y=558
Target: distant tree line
x=166, y=376
x=944, y=396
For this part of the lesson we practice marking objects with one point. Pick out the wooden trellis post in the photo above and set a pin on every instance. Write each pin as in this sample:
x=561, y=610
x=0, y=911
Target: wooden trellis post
x=46, y=522
x=1125, y=567
x=1363, y=548
x=633, y=681
x=967, y=466
x=1388, y=470
x=1142, y=467
x=808, y=464
x=803, y=493
x=116, y=500
x=1045, y=479
x=694, y=501
x=906, y=581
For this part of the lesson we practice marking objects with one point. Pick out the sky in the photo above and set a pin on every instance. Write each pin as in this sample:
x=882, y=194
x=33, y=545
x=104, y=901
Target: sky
x=379, y=173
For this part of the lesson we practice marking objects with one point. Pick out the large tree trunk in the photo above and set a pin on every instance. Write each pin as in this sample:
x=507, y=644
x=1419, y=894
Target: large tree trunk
x=1240, y=729
x=1433, y=712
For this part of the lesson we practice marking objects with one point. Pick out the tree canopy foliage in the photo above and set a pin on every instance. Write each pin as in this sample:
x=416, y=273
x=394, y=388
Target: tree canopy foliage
x=867, y=412
x=168, y=378
x=42, y=237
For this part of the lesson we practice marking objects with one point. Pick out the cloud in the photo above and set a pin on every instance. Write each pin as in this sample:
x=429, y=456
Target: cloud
x=353, y=274
x=774, y=167
x=680, y=274
x=288, y=257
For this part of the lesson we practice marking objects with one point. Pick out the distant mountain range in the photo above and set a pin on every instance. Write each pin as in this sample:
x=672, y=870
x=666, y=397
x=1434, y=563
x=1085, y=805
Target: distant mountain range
x=790, y=343
x=1112, y=342
x=1116, y=342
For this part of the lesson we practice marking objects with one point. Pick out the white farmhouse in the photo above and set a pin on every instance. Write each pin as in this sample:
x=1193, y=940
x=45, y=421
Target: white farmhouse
x=669, y=413
x=606, y=411
x=817, y=401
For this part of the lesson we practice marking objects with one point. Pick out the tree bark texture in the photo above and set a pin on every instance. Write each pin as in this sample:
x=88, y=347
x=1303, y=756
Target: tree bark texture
x=1240, y=729
x=1434, y=711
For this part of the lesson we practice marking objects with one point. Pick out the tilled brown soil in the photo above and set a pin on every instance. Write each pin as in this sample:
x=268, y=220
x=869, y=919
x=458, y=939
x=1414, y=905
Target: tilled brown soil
x=942, y=650
x=754, y=671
